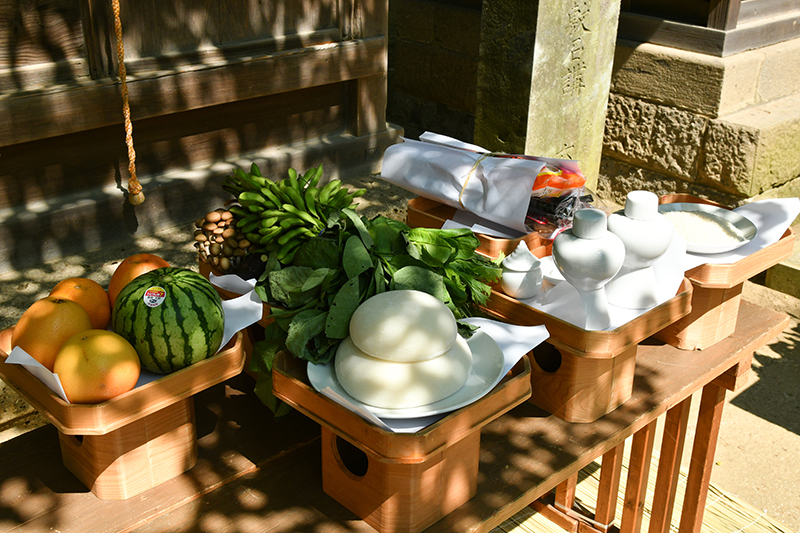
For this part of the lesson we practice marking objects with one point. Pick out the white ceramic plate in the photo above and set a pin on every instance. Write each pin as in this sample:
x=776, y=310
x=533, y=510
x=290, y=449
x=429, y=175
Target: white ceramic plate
x=550, y=270
x=745, y=226
x=487, y=371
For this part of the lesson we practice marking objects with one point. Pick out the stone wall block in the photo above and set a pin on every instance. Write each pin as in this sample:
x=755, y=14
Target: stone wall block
x=780, y=75
x=415, y=20
x=664, y=139
x=452, y=79
x=673, y=77
x=676, y=142
x=458, y=30
x=629, y=127
x=729, y=157
x=413, y=60
x=618, y=178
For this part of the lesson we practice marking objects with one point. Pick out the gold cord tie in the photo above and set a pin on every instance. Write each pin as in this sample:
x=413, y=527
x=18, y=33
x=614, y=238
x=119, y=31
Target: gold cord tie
x=135, y=194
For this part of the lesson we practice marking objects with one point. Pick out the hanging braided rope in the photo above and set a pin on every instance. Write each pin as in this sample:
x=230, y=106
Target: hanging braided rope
x=135, y=194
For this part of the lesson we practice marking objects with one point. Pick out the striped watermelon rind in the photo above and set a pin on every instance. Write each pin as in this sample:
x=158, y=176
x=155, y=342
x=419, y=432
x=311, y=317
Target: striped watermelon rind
x=183, y=325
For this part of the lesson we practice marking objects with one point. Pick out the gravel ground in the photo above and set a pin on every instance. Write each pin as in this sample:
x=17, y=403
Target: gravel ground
x=760, y=435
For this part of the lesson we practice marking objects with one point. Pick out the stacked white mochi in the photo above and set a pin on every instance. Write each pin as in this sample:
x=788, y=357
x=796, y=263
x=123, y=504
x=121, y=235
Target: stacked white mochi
x=403, y=351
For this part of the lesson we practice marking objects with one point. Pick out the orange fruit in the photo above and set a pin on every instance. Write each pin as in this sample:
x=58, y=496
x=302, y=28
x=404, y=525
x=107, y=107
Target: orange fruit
x=96, y=365
x=46, y=325
x=90, y=294
x=5, y=339
x=129, y=269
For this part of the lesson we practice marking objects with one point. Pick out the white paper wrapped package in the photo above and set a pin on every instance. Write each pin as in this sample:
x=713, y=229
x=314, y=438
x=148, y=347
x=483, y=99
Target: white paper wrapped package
x=496, y=187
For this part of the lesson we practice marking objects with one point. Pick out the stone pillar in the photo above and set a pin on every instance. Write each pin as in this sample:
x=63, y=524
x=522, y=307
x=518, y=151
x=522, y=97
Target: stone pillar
x=544, y=76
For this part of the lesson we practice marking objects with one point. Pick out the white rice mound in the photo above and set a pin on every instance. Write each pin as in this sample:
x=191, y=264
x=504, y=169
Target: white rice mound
x=393, y=385
x=403, y=326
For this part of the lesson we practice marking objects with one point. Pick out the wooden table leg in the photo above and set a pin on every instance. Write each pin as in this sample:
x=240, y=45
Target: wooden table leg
x=669, y=465
x=610, y=473
x=636, y=485
x=565, y=493
x=703, y=450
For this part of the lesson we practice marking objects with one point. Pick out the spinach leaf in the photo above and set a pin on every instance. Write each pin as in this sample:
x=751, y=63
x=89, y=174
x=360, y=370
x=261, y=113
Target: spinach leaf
x=421, y=279
x=321, y=278
x=356, y=258
x=360, y=226
x=318, y=253
x=304, y=327
x=344, y=304
x=387, y=236
x=286, y=286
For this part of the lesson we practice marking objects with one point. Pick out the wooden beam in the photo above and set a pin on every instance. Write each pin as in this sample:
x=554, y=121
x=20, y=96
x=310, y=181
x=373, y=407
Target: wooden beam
x=96, y=104
x=723, y=14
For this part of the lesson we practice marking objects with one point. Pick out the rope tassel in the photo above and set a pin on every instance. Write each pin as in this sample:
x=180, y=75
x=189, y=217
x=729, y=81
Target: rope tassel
x=135, y=194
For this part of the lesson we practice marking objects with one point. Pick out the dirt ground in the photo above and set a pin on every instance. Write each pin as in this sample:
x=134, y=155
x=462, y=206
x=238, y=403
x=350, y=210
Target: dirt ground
x=760, y=436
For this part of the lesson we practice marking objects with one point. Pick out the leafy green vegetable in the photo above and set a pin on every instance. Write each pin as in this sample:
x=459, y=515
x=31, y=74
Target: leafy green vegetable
x=343, y=306
x=316, y=295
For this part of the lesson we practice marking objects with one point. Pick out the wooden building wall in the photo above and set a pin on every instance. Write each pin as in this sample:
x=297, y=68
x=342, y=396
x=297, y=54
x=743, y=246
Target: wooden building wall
x=210, y=81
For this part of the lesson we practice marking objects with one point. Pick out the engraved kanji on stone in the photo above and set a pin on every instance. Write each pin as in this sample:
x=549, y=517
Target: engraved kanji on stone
x=577, y=16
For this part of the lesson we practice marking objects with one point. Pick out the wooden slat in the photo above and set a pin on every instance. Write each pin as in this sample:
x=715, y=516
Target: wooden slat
x=638, y=473
x=565, y=492
x=669, y=464
x=705, y=444
x=39, y=32
x=97, y=104
x=610, y=475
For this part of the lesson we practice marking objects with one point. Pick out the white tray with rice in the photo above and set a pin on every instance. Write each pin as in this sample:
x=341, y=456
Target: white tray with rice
x=708, y=229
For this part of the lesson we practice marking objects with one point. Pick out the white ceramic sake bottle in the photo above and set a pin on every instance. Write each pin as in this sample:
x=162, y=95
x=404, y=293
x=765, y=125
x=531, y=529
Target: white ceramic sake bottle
x=589, y=256
x=522, y=273
x=647, y=235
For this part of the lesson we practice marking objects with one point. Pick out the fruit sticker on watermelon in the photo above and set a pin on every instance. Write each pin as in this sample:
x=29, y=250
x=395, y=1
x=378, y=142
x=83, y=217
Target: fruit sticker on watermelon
x=172, y=316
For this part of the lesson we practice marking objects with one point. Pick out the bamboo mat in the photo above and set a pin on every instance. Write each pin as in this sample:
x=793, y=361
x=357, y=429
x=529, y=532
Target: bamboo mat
x=724, y=513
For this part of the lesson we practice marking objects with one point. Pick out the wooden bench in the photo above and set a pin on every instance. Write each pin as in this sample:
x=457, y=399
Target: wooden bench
x=256, y=474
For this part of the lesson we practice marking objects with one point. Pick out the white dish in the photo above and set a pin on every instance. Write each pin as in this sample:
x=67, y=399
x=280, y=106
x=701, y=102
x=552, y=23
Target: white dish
x=487, y=371
x=742, y=224
x=550, y=270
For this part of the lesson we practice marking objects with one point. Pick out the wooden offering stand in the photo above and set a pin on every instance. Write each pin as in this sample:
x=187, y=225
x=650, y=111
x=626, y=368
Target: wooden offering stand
x=718, y=290
x=425, y=213
x=581, y=375
x=137, y=440
x=398, y=482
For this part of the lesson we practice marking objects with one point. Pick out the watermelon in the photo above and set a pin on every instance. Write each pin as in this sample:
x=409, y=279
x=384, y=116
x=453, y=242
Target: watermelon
x=172, y=316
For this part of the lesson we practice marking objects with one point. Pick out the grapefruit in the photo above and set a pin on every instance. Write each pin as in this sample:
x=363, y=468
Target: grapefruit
x=46, y=325
x=90, y=294
x=96, y=365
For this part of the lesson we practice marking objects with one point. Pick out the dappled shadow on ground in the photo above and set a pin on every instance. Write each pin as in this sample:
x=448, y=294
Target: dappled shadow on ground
x=774, y=396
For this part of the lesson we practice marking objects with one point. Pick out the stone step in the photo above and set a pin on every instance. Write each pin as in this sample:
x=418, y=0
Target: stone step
x=785, y=276
x=755, y=149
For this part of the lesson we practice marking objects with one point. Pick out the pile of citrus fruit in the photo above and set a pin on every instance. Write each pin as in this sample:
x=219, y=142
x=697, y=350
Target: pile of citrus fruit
x=67, y=333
